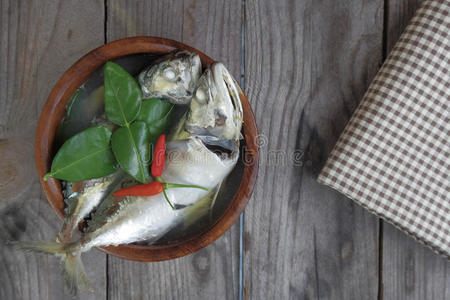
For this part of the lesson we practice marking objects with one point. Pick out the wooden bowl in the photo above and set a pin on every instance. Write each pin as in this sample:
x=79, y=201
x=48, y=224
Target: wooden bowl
x=54, y=111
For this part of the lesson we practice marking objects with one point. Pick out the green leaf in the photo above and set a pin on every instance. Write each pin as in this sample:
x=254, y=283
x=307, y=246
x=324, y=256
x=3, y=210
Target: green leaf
x=61, y=134
x=75, y=97
x=157, y=114
x=130, y=145
x=85, y=156
x=122, y=95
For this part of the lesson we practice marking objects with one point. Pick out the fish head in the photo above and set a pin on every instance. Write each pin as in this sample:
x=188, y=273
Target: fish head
x=215, y=113
x=173, y=77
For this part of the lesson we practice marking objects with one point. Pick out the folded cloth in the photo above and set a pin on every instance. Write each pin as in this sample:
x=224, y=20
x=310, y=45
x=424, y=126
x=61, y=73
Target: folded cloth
x=393, y=157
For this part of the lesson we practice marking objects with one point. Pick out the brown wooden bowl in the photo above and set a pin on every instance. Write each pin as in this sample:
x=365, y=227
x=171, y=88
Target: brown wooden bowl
x=54, y=111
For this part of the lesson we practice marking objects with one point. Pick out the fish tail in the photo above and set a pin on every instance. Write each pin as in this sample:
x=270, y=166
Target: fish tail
x=74, y=275
x=53, y=248
x=73, y=270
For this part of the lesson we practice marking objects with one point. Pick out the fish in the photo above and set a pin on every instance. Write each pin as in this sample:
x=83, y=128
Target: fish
x=190, y=160
x=83, y=198
x=173, y=77
x=140, y=219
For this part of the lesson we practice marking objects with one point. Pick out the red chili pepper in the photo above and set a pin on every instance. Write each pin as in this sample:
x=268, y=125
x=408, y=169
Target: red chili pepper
x=157, y=186
x=159, y=156
x=148, y=189
x=153, y=188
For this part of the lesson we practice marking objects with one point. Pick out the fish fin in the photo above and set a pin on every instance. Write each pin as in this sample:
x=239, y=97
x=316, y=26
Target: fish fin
x=201, y=207
x=213, y=202
x=54, y=248
x=73, y=270
x=74, y=275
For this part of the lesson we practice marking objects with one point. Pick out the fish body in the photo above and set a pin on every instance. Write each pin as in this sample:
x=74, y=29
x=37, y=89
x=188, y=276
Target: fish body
x=174, y=77
x=85, y=197
x=149, y=218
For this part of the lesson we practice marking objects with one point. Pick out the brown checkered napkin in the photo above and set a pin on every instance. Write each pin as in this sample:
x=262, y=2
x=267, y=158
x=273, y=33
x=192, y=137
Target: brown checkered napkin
x=394, y=155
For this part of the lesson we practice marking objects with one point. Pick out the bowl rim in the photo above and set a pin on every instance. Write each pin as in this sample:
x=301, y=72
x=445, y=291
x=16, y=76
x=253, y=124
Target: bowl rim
x=54, y=110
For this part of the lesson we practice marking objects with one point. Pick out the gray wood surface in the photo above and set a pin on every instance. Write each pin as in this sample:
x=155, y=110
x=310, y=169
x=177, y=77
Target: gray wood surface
x=398, y=14
x=213, y=27
x=410, y=270
x=306, y=66
x=39, y=40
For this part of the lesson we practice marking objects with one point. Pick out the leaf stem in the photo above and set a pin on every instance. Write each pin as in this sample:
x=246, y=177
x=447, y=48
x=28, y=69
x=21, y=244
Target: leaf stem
x=138, y=154
x=167, y=199
x=178, y=185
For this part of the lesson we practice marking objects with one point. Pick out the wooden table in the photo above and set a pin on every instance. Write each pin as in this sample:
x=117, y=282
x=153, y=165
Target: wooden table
x=305, y=65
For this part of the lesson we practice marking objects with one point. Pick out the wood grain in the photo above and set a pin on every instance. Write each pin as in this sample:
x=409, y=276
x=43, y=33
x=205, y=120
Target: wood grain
x=39, y=40
x=214, y=28
x=399, y=12
x=307, y=65
x=410, y=270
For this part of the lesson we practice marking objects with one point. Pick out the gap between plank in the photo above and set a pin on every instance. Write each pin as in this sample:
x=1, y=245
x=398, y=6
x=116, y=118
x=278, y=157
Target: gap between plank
x=241, y=217
x=385, y=30
x=380, y=259
x=105, y=40
x=105, y=23
x=380, y=221
x=107, y=276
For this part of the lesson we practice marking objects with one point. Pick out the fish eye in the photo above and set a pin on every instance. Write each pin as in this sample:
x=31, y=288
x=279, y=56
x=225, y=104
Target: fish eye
x=169, y=74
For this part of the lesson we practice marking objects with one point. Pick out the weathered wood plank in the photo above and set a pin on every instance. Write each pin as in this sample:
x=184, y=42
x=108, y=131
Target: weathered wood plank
x=215, y=28
x=399, y=12
x=410, y=270
x=39, y=40
x=307, y=65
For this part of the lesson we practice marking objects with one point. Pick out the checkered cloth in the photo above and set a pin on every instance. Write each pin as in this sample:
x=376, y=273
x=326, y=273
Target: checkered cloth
x=393, y=157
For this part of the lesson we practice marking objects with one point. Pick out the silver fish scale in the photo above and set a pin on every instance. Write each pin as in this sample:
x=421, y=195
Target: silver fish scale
x=149, y=218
